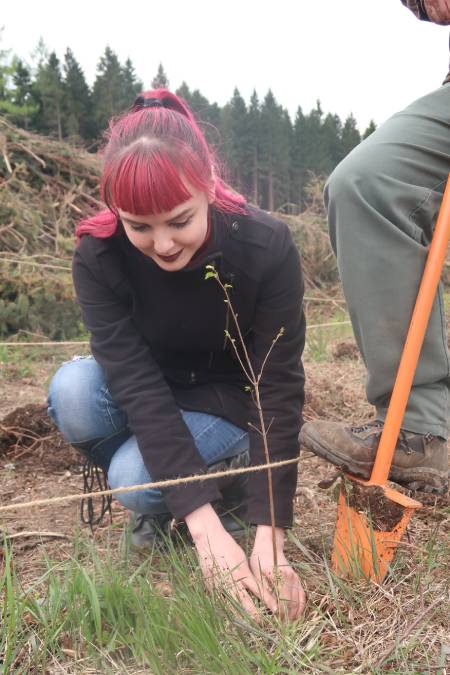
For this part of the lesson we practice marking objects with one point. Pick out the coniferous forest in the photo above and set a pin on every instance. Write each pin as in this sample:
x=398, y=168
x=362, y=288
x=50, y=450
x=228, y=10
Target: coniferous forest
x=267, y=156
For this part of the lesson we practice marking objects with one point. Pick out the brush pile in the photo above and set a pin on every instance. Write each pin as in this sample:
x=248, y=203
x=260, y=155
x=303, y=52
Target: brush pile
x=45, y=187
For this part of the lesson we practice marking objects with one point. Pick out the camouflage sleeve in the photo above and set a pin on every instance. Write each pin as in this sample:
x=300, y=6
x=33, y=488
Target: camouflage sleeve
x=437, y=11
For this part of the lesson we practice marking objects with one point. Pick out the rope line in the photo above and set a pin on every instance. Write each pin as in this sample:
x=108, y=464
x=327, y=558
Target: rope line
x=328, y=325
x=156, y=484
x=35, y=264
x=61, y=343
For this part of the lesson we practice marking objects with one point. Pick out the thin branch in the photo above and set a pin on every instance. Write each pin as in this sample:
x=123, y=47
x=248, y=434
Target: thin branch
x=238, y=356
x=274, y=341
x=238, y=328
x=30, y=152
x=19, y=535
x=252, y=426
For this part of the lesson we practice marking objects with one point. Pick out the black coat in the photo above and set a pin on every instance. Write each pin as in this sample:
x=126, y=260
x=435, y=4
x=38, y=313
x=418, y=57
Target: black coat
x=160, y=338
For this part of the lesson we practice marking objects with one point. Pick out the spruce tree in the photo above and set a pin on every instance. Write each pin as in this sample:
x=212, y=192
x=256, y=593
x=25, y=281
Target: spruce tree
x=350, y=136
x=199, y=105
x=132, y=84
x=275, y=152
x=331, y=143
x=184, y=92
x=370, y=129
x=299, y=166
x=160, y=81
x=285, y=186
x=269, y=122
x=234, y=126
x=110, y=95
x=315, y=153
x=23, y=98
x=77, y=100
x=49, y=90
x=15, y=89
x=254, y=134
x=21, y=78
x=207, y=114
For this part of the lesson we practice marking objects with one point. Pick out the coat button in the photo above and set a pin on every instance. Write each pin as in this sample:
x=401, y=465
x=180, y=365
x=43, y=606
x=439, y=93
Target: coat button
x=235, y=226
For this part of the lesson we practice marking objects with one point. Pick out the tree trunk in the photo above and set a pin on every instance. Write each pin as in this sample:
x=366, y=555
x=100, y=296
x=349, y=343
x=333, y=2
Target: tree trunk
x=270, y=195
x=255, y=177
x=58, y=121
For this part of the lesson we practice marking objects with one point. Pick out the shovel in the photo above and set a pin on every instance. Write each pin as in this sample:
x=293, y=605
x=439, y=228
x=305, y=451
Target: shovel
x=372, y=516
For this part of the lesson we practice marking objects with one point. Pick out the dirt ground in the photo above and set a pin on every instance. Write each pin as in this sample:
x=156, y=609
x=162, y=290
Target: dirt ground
x=35, y=463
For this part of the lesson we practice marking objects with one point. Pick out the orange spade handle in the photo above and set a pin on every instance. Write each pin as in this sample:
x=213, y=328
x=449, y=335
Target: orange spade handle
x=413, y=344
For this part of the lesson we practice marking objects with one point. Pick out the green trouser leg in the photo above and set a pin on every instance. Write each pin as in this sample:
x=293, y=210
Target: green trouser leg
x=382, y=203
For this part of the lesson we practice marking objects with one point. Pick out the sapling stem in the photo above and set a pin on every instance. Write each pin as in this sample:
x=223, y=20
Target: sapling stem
x=254, y=380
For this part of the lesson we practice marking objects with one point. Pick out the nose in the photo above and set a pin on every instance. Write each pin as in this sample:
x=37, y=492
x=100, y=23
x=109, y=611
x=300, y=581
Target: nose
x=163, y=243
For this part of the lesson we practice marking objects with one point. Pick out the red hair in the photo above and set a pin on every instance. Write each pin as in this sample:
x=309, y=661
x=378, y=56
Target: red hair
x=151, y=152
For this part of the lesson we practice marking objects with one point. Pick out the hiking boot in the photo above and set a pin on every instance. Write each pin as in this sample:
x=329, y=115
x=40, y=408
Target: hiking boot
x=150, y=531
x=420, y=461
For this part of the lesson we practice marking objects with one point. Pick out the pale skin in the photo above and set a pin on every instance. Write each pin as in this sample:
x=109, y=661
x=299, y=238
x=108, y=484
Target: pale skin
x=171, y=239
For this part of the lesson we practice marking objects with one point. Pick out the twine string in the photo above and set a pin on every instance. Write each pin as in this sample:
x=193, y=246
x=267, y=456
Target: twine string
x=154, y=485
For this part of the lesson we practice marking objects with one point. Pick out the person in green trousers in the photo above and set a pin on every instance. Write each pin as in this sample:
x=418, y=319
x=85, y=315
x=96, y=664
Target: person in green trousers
x=382, y=202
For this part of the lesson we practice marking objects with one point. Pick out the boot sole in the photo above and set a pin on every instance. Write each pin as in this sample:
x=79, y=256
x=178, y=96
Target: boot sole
x=421, y=479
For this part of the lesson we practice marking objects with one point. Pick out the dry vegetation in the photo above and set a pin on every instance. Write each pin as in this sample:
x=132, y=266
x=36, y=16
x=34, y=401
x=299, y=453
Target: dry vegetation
x=45, y=185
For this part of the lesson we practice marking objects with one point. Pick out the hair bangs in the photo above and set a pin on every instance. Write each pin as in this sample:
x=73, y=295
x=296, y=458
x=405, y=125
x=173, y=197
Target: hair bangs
x=151, y=180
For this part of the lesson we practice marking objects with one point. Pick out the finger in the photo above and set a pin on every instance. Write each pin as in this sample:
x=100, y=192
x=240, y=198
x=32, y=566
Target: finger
x=225, y=582
x=262, y=576
x=262, y=581
x=298, y=607
x=261, y=589
x=291, y=597
x=238, y=595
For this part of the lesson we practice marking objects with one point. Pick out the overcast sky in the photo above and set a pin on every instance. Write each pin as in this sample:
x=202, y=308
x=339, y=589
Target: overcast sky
x=368, y=57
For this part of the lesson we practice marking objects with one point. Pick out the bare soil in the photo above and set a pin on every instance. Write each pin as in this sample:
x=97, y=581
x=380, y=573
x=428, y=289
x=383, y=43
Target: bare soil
x=370, y=500
x=35, y=467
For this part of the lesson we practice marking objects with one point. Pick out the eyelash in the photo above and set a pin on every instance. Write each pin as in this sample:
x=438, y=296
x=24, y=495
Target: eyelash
x=182, y=224
x=178, y=226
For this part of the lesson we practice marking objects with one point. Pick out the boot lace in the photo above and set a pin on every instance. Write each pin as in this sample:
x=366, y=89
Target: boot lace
x=368, y=426
x=94, y=477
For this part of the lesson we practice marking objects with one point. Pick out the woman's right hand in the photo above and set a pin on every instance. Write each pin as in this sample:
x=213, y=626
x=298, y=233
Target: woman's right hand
x=223, y=562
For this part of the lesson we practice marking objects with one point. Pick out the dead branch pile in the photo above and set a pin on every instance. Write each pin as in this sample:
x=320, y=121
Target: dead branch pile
x=46, y=186
x=24, y=429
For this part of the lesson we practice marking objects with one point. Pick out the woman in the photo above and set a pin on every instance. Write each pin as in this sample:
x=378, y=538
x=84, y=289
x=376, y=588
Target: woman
x=164, y=395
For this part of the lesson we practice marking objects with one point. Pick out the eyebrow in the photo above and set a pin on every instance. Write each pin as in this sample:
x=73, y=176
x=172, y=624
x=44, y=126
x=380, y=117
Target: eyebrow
x=171, y=220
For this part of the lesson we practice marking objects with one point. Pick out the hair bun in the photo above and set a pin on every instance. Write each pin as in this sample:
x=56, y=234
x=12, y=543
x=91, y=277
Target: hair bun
x=142, y=102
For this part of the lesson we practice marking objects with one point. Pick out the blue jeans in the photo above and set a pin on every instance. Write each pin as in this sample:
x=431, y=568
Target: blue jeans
x=82, y=408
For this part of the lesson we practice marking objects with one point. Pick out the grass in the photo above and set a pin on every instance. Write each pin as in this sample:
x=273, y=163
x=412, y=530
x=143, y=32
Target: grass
x=331, y=313
x=119, y=615
x=110, y=611
x=320, y=340
x=23, y=363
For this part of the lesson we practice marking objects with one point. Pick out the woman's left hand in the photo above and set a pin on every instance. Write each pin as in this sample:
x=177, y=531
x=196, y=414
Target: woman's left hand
x=284, y=581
